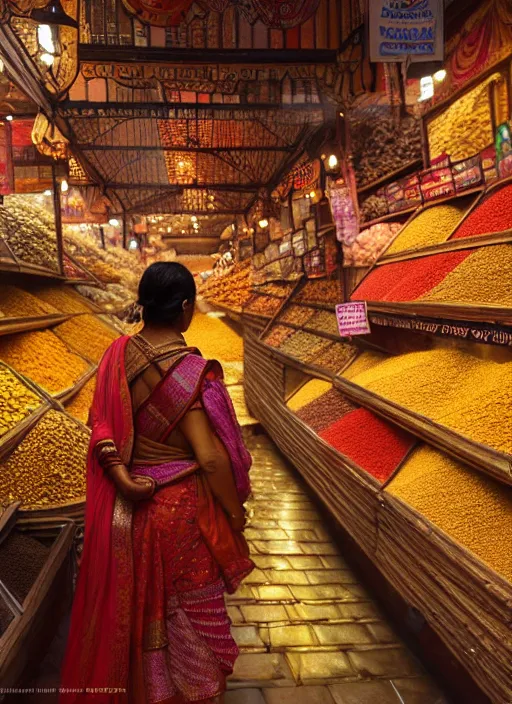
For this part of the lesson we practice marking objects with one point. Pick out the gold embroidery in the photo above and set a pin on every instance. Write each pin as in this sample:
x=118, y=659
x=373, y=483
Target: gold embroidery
x=122, y=553
x=155, y=636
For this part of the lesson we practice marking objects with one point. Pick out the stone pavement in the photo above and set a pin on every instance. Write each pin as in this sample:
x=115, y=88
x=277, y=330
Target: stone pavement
x=308, y=630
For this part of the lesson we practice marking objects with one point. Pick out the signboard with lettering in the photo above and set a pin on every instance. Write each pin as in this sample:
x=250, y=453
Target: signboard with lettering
x=403, y=30
x=485, y=333
x=352, y=319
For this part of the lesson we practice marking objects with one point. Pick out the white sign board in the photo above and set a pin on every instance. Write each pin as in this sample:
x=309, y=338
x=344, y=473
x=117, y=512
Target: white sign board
x=403, y=30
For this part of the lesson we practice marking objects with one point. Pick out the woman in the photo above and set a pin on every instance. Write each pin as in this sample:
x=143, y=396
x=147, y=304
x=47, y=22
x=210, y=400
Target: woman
x=167, y=479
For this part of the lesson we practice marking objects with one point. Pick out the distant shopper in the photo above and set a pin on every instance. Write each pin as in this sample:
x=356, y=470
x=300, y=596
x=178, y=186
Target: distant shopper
x=167, y=478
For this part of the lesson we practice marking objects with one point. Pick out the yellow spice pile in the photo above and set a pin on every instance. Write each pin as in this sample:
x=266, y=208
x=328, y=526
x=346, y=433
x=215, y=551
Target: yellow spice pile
x=215, y=339
x=308, y=393
x=472, y=509
x=79, y=407
x=43, y=358
x=63, y=298
x=431, y=226
x=16, y=401
x=484, y=277
x=467, y=394
x=87, y=335
x=48, y=467
x=366, y=360
x=15, y=302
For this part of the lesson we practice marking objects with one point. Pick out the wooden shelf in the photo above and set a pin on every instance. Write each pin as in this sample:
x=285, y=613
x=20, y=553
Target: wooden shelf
x=415, y=165
x=68, y=395
x=481, y=313
x=451, y=245
x=9, y=326
x=491, y=462
x=390, y=216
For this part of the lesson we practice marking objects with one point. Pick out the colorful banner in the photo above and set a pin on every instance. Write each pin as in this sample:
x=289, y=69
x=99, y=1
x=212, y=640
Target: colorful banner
x=406, y=30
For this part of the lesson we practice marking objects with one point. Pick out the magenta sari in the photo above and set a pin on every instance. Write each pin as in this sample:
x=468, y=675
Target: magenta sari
x=148, y=622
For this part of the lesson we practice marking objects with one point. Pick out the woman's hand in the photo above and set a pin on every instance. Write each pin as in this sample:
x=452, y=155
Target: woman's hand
x=132, y=488
x=138, y=488
x=237, y=521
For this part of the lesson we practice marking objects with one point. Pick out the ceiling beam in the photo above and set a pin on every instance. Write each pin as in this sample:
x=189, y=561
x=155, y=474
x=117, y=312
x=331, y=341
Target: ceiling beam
x=233, y=57
x=177, y=189
x=196, y=150
x=164, y=110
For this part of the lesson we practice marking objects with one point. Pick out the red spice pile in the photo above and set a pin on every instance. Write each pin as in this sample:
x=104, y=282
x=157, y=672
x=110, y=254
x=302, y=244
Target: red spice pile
x=319, y=414
x=408, y=280
x=374, y=445
x=494, y=214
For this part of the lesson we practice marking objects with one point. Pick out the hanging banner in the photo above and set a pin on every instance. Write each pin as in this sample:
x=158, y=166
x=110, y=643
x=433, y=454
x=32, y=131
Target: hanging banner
x=406, y=30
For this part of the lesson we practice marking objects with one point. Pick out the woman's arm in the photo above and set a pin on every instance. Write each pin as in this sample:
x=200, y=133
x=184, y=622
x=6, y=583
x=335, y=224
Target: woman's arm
x=133, y=489
x=215, y=462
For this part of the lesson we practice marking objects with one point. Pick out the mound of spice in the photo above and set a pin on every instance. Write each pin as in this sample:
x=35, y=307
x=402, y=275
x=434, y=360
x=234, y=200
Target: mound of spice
x=323, y=291
x=335, y=357
x=80, y=406
x=297, y=315
x=21, y=559
x=16, y=401
x=492, y=215
x=309, y=392
x=215, y=339
x=304, y=346
x=44, y=358
x=263, y=305
x=426, y=382
x=277, y=335
x=468, y=394
x=373, y=444
x=87, y=335
x=325, y=321
x=408, y=280
x=484, y=277
x=48, y=467
x=430, y=226
x=63, y=298
x=325, y=410
x=366, y=360
x=472, y=509
x=17, y=303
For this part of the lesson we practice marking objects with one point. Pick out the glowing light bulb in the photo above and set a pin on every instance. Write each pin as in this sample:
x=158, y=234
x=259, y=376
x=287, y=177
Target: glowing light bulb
x=47, y=59
x=263, y=223
x=113, y=222
x=9, y=118
x=439, y=76
x=332, y=161
x=64, y=187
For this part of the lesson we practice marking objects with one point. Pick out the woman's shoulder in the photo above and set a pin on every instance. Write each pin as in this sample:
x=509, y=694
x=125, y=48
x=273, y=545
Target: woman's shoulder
x=208, y=368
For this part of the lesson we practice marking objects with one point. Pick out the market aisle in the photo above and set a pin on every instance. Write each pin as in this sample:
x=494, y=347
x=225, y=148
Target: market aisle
x=308, y=631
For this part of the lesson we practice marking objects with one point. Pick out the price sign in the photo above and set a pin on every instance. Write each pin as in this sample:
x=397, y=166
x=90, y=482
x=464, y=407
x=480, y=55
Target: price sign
x=352, y=319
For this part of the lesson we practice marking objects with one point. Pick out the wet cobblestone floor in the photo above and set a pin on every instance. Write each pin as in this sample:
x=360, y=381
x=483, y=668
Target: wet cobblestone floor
x=308, y=630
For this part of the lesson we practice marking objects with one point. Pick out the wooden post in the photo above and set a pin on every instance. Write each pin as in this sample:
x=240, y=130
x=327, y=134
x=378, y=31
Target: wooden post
x=58, y=220
x=125, y=231
x=102, y=237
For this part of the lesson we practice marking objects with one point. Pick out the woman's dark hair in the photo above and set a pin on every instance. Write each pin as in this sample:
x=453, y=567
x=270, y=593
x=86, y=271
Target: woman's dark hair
x=163, y=288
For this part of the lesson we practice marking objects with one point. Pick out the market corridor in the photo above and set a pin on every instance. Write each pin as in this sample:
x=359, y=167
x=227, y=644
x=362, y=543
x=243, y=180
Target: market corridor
x=308, y=630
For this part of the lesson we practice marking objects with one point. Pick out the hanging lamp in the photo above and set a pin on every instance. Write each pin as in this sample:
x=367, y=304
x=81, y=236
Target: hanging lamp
x=53, y=14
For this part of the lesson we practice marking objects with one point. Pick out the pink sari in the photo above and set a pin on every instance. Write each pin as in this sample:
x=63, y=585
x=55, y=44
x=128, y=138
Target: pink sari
x=133, y=637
